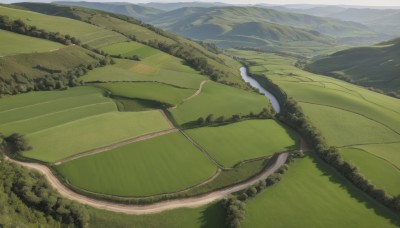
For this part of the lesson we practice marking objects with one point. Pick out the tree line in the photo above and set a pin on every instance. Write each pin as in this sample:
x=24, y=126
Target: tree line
x=292, y=114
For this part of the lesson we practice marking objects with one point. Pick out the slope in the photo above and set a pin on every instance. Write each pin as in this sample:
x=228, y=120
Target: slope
x=375, y=66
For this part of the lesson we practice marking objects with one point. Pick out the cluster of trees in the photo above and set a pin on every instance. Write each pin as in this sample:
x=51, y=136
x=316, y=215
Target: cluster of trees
x=210, y=120
x=133, y=57
x=292, y=115
x=235, y=212
x=17, y=142
x=28, y=191
x=21, y=27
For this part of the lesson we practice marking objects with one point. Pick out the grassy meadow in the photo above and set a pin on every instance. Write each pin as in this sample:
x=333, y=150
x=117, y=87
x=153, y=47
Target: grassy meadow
x=86, y=33
x=311, y=194
x=171, y=162
x=58, y=118
x=232, y=143
x=219, y=100
x=14, y=43
x=129, y=49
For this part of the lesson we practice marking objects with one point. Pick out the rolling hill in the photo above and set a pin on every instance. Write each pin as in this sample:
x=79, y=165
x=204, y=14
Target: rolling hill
x=375, y=66
x=131, y=10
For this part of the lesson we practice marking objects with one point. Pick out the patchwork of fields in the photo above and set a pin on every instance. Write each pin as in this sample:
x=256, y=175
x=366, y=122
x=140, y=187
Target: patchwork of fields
x=347, y=115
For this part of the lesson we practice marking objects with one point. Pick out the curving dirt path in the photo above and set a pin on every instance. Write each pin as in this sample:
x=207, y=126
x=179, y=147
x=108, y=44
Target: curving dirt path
x=193, y=95
x=116, y=145
x=191, y=202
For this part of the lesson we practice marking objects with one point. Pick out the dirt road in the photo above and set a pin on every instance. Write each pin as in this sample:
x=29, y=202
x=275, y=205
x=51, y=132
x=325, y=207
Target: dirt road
x=191, y=202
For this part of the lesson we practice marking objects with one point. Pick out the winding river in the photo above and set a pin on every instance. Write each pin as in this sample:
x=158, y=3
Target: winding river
x=255, y=84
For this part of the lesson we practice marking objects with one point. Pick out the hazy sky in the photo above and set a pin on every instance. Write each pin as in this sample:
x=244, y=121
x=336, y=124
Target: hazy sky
x=277, y=2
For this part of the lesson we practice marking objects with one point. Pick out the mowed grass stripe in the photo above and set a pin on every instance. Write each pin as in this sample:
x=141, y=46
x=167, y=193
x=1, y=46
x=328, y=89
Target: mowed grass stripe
x=92, y=132
x=380, y=172
x=311, y=194
x=230, y=144
x=168, y=163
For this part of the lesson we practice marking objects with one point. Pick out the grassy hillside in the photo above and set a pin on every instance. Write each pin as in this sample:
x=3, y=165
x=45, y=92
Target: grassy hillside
x=347, y=115
x=375, y=66
x=129, y=168
x=57, y=117
x=219, y=66
x=131, y=10
x=311, y=194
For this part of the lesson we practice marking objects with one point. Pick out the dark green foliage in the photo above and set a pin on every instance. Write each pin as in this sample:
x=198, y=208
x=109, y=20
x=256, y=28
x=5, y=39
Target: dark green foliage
x=235, y=212
x=18, y=143
x=29, y=194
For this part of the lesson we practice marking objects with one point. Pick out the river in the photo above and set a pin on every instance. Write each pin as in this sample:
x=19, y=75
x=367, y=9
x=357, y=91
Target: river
x=255, y=84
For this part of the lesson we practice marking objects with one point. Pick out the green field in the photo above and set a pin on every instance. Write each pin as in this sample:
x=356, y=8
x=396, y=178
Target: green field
x=379, y=171
x=148, y=91
x=346, y=114
x=219, y=100
x=230, y=144
x=207, y=216
x=313, y=195
x=147, y=70
x=14, y=43
x=131, y=48
x=88, y=34
x=164, y=164
x=80, y=115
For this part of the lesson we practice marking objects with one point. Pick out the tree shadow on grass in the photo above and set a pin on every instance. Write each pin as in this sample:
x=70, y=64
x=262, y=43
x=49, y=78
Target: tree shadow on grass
x=355, y=193
x=213, y=216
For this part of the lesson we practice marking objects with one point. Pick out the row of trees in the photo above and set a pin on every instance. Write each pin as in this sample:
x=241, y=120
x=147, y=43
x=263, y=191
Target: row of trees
x=40, y=201
x=292, y=115
x=210, y=120
x=53, y=79
x=21, y=27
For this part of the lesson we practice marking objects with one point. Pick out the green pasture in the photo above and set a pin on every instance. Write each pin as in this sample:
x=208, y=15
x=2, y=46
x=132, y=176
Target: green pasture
x=341, y=128
x=219, y=100
x=129, y=70
x=14, y=43
x=164, y=164
x=311, y=194
x=379, y=171
x=92, y=132
x=62, y=123
x=148, y=91
x=232, y=143
x=62, y=60
x=131, y=48
x=88, y=34
x=389, y=152
x=211, y=215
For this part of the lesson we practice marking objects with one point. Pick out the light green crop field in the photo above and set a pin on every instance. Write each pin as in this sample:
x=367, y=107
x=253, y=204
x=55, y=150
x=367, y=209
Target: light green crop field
x=159, y=71
x=88, y=34
x=14, y=43
x=380, y=172
x=346, y=114
x=148, y=91
x=131, y=48
x=219, y=100
x=206, y=216
x=72, y=121
x=389, y=152
x=164, y=164
x=359, y=130
x=230, y=144
x=313, y=195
